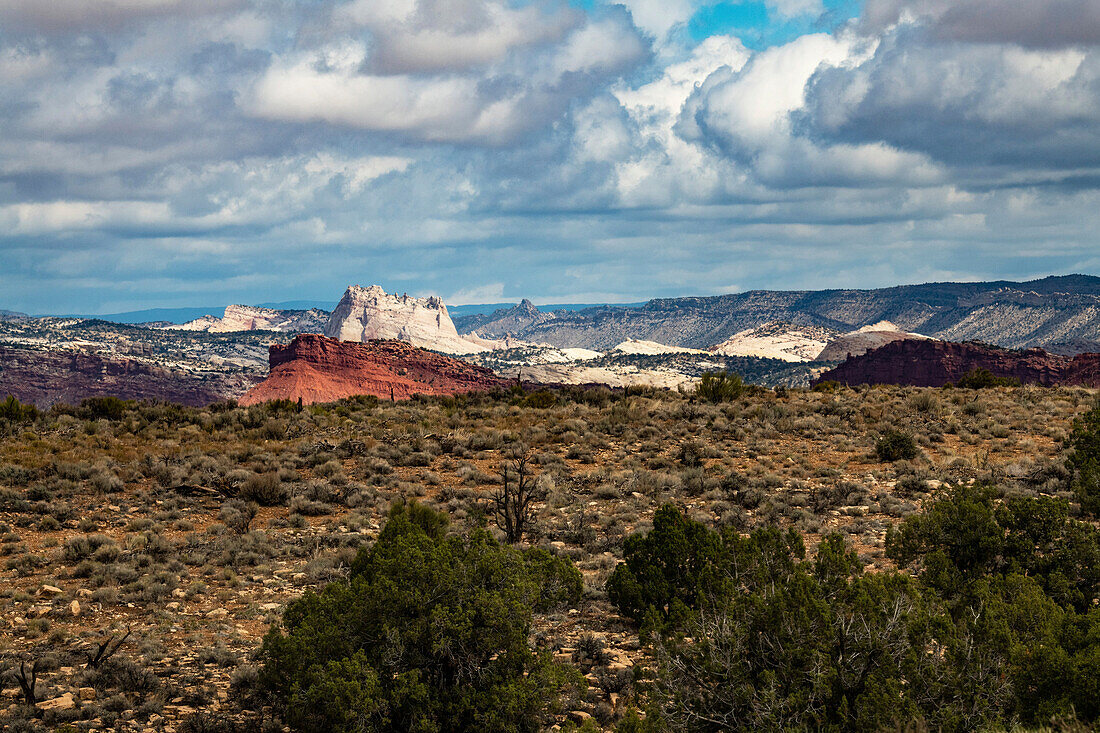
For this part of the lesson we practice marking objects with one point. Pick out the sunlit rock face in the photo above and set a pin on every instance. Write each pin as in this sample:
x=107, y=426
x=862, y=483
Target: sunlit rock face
x=314, y=368
x=250, y=318
x=366, y=314
x=777, y=340
x=859, y=342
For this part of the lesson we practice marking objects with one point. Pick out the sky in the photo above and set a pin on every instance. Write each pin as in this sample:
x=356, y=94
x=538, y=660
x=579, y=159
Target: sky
x=169, y=153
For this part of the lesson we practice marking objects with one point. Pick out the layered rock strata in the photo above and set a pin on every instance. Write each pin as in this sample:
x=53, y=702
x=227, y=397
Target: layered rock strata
x=45, y=378
x=860, y=341
x=366, y=314
x=250, y=318
x=935, y=363
x=314, y=368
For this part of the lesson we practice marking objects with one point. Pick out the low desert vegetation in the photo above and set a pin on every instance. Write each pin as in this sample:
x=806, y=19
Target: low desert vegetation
x=642, y=560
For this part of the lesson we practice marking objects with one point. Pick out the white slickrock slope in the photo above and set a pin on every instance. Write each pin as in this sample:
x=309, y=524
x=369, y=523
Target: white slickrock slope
x=251, y=318
x=777, y=340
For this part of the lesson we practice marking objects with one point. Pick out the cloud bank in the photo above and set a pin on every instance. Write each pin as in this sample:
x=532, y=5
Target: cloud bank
x=165, y=153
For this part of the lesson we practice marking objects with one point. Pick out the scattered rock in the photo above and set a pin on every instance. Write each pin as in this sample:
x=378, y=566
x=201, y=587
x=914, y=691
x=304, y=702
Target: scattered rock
x=86, y=693
x=65, y=702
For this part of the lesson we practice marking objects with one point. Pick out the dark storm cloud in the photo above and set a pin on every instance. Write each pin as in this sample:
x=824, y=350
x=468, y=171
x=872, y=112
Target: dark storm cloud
x=964, y=104
x=1032, y=23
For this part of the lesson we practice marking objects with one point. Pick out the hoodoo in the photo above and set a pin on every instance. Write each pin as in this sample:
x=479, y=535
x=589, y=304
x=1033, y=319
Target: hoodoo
x=314, y=368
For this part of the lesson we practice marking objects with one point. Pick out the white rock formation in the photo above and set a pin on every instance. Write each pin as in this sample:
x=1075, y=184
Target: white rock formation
x=651, y=348
x=862, y=340
x=552, y=356
x=370, y=313
x=621, y=376
x=251, y=318
x=777, y=340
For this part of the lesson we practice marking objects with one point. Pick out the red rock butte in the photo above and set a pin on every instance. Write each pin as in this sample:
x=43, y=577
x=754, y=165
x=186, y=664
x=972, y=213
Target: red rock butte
x=316, y=368
x=935, y=363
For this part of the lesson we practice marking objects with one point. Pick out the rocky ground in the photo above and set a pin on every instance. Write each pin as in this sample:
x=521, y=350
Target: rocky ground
x=134, y=529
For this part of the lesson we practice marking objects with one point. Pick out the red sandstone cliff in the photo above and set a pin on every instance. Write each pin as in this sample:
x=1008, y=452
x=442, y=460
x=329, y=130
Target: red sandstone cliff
x=934, y=363
x=319, y=369
x=46, y=377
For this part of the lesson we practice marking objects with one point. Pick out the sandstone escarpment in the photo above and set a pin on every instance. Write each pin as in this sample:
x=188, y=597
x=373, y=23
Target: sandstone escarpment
x=47, y=377
x=315, y=368
x=366, y=314
x=935, y=363
x=863, y=340
x=251, y=318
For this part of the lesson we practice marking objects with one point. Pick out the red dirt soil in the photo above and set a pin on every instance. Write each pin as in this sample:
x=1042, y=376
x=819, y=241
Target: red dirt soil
x=319, y=369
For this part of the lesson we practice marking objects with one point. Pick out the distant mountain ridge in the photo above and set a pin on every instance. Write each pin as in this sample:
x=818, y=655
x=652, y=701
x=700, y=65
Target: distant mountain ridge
x=1056, y=309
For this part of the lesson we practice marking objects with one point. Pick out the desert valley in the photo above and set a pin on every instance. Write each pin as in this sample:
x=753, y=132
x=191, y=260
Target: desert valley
x=549, y=366
x=170, y=490
x=769, y=338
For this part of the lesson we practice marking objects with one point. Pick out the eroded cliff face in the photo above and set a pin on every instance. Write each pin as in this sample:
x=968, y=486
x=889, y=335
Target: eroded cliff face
x=365, y=314
x=46, y=378
x=860, y=341
x=250, y=318
x=935, y=363
x=320, y=369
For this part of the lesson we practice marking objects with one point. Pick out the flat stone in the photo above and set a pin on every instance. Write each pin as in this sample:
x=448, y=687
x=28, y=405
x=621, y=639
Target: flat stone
x=65, y=702
x=52, y=590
